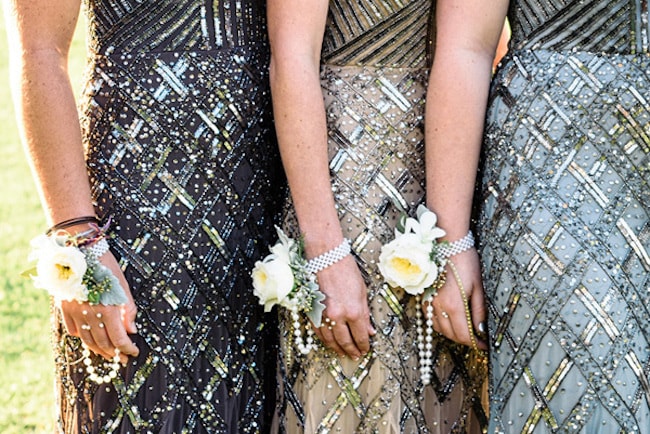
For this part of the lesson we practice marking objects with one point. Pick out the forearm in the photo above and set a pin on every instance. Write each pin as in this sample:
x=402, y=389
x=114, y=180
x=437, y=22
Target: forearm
x=51, y=134
x=39, y=33
x=467, y=35
x=456, y=104
x=302, y=134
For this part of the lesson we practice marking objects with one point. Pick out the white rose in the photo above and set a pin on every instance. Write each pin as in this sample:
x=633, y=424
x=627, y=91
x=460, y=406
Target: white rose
x=272, y=281
x=59, y=269
x=405, y=262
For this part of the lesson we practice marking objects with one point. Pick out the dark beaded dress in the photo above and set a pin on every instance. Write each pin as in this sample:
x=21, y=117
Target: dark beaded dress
x=565, y=220
x=177, y=124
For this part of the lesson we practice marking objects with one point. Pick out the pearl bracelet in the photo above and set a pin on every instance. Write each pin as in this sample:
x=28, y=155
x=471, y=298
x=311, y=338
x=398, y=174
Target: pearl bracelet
x=330, y=257
x=456, y=247
x=97, y=249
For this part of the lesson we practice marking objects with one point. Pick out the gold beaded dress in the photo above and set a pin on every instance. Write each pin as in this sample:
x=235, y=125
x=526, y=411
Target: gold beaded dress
x=181, y=153
x=565, y=220
x=374, y=74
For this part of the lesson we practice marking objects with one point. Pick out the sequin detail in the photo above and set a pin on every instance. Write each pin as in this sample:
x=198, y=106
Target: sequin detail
x=374, y=81
x=182, y=156
x=565, y=220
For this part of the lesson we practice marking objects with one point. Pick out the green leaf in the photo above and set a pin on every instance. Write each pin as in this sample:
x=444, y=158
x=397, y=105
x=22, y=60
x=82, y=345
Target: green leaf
x=29, y=273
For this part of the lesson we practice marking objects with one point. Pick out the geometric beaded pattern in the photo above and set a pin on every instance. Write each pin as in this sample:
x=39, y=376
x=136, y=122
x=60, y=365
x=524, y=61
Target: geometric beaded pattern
x=565, y=225
x=176, y=119
x=374, y=79
x=376, y=161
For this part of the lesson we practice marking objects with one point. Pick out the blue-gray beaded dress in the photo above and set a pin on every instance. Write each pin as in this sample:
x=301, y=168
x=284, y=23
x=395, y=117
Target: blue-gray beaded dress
x=176, y=120
x=565, y=220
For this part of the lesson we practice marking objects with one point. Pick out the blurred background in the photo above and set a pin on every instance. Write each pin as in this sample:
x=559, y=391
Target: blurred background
x=26, y=367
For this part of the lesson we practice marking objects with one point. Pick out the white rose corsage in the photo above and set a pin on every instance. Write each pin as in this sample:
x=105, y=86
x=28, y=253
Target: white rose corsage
x=415, y=261
x=283, y=278
x=67, y=266
x=68, y=270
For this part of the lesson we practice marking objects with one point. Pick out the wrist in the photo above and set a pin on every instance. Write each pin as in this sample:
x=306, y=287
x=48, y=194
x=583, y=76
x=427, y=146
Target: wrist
x=318, y=240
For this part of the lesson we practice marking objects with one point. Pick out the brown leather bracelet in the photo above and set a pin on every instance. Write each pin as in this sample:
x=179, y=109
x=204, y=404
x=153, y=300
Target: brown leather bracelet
x=73, y=222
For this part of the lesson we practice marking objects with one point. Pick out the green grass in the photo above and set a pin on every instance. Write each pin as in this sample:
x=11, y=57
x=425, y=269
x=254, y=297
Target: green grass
x=26, y=367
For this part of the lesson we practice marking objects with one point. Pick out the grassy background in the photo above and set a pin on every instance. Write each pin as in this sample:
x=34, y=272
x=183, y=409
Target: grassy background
x=26, y=367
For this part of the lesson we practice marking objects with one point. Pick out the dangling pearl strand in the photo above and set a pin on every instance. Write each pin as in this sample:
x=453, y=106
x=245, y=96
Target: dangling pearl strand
x=303, y=348
x=111, y=370
x=424, y=339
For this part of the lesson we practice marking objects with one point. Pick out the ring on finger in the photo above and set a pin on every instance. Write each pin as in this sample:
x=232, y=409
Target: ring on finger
x=85, y=326
x=444, y=314
x=329, y=323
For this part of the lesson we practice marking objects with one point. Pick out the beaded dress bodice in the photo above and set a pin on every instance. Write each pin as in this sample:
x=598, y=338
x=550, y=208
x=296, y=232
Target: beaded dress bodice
x=182, y=159
x=565, y=218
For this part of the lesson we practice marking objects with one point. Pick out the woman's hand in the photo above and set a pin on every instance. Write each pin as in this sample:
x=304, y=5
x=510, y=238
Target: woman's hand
x=102, y=328
x=449, y=313
x=348, y=330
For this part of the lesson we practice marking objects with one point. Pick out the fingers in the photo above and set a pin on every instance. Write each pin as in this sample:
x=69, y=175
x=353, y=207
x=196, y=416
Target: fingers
x=479, y=318
x=102, y=331
x=349, y=337
x=326, y=335
x=459, y=304
x=346, y=326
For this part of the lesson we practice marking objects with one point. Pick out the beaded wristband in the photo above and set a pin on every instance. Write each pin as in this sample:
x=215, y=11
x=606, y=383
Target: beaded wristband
x=456, y=247
x=328, y=258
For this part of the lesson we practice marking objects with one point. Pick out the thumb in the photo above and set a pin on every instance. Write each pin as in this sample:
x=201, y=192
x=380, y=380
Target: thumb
x=129, y=313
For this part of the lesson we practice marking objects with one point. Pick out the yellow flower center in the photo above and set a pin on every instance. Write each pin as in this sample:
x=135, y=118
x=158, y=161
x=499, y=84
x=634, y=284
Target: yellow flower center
x=262, y=277
x=404, y=266
x=64, y=271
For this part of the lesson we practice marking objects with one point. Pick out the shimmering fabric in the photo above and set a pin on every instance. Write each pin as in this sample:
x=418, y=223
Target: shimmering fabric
x=565, y=220
x=180, y=149
x=374, y=79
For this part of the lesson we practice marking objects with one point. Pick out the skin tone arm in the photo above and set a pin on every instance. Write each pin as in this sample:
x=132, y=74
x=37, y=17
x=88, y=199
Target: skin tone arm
x=296, y=30
x=40, y=32
x=468, y=32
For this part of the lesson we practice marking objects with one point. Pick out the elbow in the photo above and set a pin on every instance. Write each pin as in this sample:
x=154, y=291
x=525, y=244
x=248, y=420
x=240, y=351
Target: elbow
x=286, y=68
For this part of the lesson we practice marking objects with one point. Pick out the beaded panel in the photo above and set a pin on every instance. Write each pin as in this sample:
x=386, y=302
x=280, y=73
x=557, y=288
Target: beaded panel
x=376, y=155
x=182, y=158
x=379, y=33
x=615, y=26
x=565, y=227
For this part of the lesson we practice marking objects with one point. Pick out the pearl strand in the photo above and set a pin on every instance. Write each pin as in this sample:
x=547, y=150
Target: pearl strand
x=304, y=345
x=111, y=368
x=424, y=339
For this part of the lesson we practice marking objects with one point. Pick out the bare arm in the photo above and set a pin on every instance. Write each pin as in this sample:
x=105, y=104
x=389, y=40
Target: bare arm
x=296, y=30
x=40, y=32
x=467, y=35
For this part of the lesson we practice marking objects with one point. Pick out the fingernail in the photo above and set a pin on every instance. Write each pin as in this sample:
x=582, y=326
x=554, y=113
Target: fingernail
x=481, y=331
